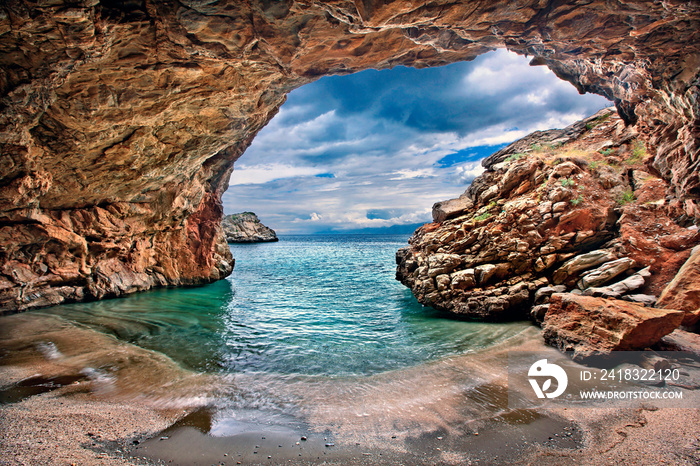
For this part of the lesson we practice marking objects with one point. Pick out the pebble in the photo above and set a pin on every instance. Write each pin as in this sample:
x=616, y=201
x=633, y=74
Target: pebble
x=164, y=438
x=303, y=438
x=269, y=456
x=330, y=444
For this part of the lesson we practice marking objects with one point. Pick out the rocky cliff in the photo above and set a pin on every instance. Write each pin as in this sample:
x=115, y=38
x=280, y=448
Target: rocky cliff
x=579, y=211
x=246, y=228
x=120, y=121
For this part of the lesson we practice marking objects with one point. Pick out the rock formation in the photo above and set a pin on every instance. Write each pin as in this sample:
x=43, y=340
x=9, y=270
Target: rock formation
x=246, y=228
x=684, y=290
x=120, y=121
x=593, y=327
x=576, y=210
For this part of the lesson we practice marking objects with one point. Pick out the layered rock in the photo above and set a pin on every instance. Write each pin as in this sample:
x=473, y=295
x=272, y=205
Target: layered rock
x=563, y=210
x=593, y=327
x=246, y=228
x=684, y=290
x=120, y=121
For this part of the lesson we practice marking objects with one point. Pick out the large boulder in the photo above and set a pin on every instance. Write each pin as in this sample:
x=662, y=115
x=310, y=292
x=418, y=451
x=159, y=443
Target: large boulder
x=593, y=327
x=684, y=290
x=451, y=208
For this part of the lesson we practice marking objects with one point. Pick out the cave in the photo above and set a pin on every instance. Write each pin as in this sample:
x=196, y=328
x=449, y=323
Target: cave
x=121, y=120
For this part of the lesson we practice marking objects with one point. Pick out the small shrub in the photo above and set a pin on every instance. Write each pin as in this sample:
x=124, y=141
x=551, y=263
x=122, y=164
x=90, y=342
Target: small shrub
x=514, y=157
x=607, y=151
x=626, y=197
x=491, y=205
x=566, y=182
x=577, y=201
x=593, y=165
x=482, y=217
x=639, y=152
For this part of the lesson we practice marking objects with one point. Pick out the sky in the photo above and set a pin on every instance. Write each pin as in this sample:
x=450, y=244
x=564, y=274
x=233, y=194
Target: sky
x=377, y=149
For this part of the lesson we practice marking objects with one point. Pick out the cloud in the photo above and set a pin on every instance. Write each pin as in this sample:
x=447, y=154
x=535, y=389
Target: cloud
x=411, y=174
x=466, y=173
x=378, y=148
x=261, y=174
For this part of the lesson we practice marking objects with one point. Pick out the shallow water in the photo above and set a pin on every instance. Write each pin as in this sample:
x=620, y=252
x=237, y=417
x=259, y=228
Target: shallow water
x=311, y=305
x=311, y=333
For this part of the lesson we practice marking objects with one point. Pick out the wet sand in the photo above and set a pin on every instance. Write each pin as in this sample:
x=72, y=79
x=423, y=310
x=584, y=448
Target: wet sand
x=138, y=407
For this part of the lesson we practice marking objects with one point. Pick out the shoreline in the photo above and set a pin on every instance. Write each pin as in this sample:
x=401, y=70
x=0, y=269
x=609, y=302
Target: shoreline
x=63, y=429
x=421, y=415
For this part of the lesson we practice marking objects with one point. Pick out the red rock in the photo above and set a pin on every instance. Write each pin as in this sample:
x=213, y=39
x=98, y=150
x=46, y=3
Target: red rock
x=650, y=236
x=595, y=326
x=120, y=121
x=684, y=290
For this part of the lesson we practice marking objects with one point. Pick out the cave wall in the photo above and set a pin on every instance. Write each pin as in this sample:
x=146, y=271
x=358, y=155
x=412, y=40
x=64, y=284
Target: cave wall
x=120, y=120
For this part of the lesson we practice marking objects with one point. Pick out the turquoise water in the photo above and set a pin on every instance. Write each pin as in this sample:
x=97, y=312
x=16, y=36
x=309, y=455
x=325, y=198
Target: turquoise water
x=307, y=305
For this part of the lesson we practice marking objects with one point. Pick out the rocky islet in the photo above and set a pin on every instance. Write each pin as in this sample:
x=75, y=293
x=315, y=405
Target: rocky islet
x=246, y=228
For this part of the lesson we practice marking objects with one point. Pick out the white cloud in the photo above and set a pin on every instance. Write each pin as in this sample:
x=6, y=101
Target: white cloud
x=502, y=71
x=383, y=139
x=467, y=172
x=408, y=174
x=261, y=174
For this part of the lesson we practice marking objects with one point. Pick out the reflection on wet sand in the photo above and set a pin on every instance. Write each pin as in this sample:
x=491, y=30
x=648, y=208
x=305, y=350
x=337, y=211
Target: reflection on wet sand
x=449, y=411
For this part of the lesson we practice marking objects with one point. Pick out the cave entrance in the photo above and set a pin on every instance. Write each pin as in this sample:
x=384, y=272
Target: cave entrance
x=372, y=151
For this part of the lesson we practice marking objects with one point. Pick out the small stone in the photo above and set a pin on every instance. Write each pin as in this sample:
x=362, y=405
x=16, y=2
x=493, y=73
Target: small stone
x=164, y=438
x=303, y=438
x=330, y=444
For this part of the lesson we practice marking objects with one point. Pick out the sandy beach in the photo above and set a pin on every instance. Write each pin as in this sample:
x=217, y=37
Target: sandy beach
x=138, y=408
x=75, y=428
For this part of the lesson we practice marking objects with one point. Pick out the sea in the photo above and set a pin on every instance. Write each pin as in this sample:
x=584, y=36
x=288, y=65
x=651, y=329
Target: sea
x=311, y=329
